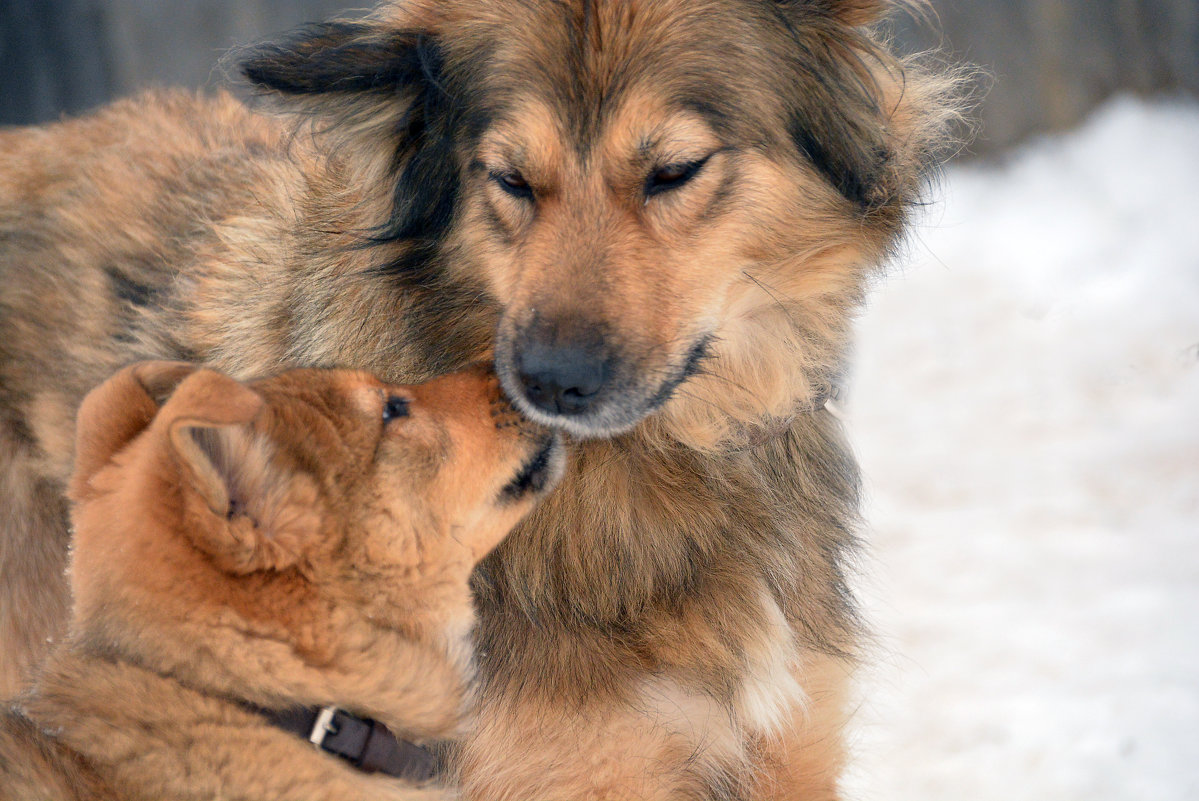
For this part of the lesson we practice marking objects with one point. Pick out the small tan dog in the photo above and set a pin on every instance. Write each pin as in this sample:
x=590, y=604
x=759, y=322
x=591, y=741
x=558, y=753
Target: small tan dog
x=249, y=552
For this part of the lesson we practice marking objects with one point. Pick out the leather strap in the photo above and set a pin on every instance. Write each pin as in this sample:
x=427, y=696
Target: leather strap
x=366, y=744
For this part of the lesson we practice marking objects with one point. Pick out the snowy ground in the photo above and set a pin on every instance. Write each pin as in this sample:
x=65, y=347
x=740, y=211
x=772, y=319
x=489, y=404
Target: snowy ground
x=1026, y=409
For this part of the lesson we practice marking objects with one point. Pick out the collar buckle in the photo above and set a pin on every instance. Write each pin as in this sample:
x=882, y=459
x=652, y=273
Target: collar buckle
x=363, y=743
x=323, y=726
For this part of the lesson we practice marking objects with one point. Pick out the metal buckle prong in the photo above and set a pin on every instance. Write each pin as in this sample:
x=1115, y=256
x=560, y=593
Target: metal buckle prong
x=324, y=725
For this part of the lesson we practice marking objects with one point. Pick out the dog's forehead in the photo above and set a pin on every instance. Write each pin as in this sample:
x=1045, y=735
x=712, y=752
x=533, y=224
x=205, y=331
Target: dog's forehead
x=321, y=406
x=586, y=61
x=791, y=79
x=640, y=126
x=319, y=389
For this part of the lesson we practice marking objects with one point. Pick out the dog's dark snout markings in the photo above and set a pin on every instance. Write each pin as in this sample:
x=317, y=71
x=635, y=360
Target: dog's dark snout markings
x=539, y=473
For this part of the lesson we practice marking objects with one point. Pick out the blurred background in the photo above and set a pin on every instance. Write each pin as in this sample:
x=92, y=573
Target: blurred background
x=1025, y=398
x=1051, y=61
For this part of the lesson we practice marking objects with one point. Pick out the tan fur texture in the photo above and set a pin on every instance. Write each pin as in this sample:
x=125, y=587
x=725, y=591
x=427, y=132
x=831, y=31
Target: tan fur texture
x=687, y=197
x=273, y=545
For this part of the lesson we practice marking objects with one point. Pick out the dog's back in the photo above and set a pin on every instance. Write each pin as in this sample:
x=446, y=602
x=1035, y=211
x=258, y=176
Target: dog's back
x=93, y=212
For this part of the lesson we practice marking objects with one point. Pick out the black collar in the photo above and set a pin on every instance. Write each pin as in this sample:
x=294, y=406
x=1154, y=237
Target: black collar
x=366, y=744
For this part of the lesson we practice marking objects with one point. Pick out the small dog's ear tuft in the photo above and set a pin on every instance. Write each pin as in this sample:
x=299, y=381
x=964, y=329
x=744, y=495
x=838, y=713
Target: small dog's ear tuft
x=208, y=402
x=263, y=515
x=115, y=412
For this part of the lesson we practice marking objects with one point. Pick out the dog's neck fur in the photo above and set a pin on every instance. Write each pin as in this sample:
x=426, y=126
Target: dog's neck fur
x=591, y=595
x=139, y=734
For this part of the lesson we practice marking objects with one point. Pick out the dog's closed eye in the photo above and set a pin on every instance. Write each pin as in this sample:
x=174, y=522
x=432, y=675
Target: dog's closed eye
x=514, y=184
x=672, y=176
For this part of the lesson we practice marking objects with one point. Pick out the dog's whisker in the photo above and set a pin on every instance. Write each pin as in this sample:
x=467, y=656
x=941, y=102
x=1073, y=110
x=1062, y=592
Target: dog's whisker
x=774, y=295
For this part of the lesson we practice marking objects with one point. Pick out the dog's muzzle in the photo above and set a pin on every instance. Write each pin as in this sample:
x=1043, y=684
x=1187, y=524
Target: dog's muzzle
x=569, y=375
x=563, y=380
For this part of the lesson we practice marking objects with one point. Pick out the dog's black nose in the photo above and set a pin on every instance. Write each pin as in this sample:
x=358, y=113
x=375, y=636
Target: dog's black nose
x=561, y=379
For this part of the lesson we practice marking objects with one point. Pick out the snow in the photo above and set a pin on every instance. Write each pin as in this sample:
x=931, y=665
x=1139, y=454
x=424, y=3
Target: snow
x=1025, y=405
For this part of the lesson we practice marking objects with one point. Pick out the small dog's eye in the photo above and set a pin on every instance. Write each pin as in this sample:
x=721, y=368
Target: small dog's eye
x=394, y=407
x=672, y=176
x=514, y=184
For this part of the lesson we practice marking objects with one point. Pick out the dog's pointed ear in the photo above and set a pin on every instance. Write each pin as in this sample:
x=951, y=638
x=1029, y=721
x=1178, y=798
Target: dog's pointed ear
x=341, y=58
x=262, y=515
x=208, y=412
x=115, y=412
x=383, y=91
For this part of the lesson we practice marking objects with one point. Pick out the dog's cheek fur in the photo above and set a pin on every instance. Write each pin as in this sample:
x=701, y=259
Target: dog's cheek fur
x=808, y=256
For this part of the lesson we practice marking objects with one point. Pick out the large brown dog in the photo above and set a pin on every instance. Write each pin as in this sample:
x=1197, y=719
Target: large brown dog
x=658, y=215
x=302, y=541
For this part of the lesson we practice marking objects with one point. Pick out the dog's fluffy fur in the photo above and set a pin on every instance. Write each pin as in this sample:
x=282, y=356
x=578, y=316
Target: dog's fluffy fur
x=301, y=541
x=687, y=195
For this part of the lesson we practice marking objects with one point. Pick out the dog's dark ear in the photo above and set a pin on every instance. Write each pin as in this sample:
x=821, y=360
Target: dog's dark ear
x=835, y=115
x=115, y=412
x=383, y=92
x=341, y=58
x=262, y=514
